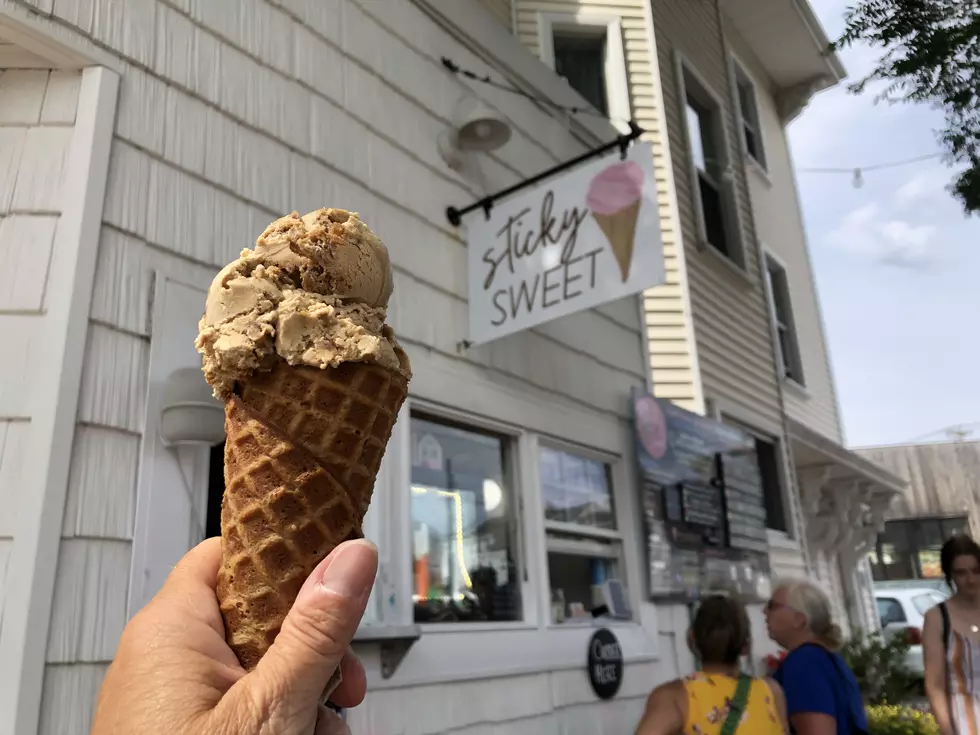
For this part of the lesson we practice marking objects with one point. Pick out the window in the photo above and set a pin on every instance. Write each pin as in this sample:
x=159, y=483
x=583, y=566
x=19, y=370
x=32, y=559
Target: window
x=782, y=310
x=749, y=117
x=464, y=526
x=587, y=51
x=889, y=611
x=711, y=177
x=581, y=59
x=909, y=548
x=585, y=551
x=772, y=488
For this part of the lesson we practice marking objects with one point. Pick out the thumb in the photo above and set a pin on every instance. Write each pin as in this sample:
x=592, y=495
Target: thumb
x=318, y=629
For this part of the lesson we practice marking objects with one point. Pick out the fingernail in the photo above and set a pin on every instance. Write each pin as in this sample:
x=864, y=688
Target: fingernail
x=351, y=572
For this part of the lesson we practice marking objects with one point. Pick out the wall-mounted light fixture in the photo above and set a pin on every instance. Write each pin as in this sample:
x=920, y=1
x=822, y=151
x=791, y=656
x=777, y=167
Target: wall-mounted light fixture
x=475, y=128
x=190, y=415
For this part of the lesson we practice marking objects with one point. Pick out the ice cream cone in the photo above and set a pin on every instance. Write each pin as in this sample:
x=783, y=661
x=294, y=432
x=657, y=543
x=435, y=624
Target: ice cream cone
x=620, y=229
x=302, y=451
x=295, y=342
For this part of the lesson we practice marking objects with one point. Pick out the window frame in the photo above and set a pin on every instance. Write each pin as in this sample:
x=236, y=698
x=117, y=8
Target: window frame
x=760, y=428
x=511, y=436
x=615, y=539
x=691, y=84
x=794, y=373
x=609, y=26
x=740, y=77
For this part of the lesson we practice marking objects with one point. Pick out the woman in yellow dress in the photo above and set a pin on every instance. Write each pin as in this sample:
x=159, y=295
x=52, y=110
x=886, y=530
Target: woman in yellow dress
x=717, y=700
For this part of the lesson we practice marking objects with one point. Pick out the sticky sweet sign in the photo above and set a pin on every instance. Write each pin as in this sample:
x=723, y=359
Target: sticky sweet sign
x=582, y=238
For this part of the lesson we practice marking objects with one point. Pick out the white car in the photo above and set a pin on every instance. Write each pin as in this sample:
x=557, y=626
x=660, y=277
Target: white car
x=902, y=610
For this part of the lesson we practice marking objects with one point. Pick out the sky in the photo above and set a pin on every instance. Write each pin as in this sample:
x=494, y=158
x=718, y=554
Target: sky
x=896, y=262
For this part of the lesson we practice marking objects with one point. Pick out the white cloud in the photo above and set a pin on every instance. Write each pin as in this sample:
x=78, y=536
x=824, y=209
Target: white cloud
x=927, y=186
x=867, y=232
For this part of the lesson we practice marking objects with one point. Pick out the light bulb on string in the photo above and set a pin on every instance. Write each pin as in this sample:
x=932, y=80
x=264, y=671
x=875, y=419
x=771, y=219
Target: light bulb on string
x=858, y=180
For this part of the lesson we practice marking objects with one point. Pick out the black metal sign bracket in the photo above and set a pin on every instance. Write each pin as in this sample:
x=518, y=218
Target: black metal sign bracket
x=622, y=142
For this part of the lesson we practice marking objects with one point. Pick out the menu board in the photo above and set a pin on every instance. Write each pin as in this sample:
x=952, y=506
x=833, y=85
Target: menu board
x=703, y=503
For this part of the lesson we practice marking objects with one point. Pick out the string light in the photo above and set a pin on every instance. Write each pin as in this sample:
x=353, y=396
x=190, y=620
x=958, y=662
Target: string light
x=857, y=172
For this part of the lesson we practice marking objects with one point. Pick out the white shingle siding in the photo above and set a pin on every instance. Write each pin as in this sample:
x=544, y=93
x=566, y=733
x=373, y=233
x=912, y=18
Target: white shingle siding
x=25, y=251
x=226, y=121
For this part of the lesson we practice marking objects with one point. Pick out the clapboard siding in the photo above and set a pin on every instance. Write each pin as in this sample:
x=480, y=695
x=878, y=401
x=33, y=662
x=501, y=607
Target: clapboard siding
x=779, y=221
x=943, y=479
x=37, y=114
x=227, y=120
x=730, y=311
x=673, y=378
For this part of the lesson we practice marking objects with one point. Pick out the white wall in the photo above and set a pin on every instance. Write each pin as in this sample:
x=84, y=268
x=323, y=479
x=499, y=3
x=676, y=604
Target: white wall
x=37, y=116
x=229, y=117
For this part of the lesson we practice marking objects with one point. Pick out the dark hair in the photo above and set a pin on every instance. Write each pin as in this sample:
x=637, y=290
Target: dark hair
x=959, y=545
x=720, y=630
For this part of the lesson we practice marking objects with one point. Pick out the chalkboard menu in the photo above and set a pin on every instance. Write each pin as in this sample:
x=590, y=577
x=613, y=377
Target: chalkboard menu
x=702, y=499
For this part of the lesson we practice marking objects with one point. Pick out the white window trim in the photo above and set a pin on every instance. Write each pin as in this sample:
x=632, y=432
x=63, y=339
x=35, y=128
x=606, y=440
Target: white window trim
x=796, y=385
x=443, y=652
x=738, y=69
x=729, y=190
x=617, y=85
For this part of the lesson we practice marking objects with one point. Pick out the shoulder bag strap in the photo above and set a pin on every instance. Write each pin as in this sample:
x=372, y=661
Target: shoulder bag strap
x=947, y=627
x=739, y=700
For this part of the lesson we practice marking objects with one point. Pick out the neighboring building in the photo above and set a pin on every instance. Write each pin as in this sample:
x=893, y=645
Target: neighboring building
x=736, y=332
x=942, y=500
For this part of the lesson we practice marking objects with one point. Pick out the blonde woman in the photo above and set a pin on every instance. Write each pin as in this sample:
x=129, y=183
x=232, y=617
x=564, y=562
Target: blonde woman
x=822, y=695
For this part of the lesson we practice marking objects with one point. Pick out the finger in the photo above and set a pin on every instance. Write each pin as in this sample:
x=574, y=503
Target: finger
x=318, y=629
x=329, y=723
x=353, y=686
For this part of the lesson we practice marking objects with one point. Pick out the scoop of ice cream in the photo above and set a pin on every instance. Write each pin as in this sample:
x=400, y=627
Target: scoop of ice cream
x=615, y=188
x=313, y=292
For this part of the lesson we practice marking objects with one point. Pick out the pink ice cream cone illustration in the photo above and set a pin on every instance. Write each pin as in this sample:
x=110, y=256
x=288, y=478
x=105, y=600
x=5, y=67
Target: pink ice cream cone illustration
x=614, y=197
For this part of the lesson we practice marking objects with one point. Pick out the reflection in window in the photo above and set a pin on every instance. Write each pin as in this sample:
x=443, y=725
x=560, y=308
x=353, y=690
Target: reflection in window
x=909, y=548
x=584, y=547
x=576, y=490
x=463, y=526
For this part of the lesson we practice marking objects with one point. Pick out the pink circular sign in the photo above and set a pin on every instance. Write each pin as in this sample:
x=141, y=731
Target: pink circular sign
x=651, y=425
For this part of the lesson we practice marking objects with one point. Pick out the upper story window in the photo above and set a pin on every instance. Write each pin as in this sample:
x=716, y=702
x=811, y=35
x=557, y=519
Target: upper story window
x=581, y=59
x=464, y=526
x=713, y=194
x=584, y=546
x=790, y=360
x=588, y=52
x=748, y=108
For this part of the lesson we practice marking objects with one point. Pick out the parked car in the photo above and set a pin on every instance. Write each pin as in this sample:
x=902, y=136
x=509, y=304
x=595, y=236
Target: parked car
x=939, y=585
x=901, y=610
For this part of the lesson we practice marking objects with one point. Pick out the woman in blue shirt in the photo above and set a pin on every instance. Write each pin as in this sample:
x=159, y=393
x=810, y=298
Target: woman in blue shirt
x=822, y=695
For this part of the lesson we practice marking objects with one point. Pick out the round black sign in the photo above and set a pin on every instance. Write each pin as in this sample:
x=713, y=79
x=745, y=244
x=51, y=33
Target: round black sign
x=605, y=664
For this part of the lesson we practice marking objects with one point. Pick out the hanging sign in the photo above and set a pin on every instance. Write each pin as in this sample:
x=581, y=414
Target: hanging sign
x=605, y=664
x=584, y=237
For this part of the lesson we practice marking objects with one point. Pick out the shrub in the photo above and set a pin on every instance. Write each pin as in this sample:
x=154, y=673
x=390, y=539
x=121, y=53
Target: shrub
x=887, y=719
x=879, y=666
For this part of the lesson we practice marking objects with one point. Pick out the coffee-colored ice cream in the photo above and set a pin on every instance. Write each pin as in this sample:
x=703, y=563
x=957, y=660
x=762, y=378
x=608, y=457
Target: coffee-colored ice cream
x=314, y=291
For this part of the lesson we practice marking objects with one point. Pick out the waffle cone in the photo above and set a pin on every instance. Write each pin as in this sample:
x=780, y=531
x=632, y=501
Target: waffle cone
x=303, y=447
x=620, y=229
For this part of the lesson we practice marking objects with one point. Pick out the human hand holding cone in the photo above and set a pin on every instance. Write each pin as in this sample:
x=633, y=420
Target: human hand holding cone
x=294, y=341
